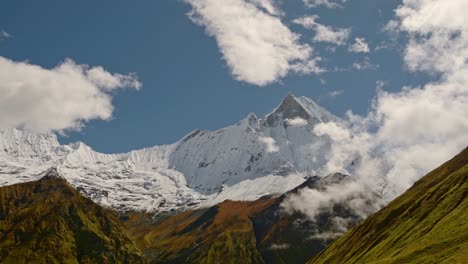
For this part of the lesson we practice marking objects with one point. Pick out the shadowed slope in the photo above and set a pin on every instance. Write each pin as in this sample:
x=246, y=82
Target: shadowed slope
x=427, y=224
x=47, y=221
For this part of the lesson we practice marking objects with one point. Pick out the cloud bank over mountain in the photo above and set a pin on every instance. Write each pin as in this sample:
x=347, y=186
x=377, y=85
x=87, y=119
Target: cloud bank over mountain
x=410, y=132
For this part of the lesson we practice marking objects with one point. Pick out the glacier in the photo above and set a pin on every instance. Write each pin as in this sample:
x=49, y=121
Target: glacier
x=255, y=157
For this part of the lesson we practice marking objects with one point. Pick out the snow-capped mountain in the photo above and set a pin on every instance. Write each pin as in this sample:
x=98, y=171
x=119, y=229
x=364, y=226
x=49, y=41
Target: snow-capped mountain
x=245, y=161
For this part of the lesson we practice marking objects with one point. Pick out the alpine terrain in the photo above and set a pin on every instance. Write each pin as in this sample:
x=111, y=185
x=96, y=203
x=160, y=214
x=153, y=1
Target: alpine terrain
x=48, y=221
x=427, y=224
x=245, y=161
x=226, y=196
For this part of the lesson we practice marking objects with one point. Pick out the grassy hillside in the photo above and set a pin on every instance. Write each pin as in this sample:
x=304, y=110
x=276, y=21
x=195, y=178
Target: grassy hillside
x=236, y=232
x=220, y=234
x=427, y=224
x=47, y=221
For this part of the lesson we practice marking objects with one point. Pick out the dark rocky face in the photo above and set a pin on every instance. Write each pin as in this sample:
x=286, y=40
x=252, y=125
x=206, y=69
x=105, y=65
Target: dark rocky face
x=289, y=109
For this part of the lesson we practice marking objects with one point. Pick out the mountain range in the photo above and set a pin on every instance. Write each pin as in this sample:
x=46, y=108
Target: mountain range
x=219, y=197
x=255, y=157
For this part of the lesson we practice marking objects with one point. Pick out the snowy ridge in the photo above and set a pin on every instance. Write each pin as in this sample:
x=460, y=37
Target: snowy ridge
x=255, y=157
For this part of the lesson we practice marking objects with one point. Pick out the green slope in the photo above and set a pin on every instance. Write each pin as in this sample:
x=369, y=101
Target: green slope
x=427, y=224
x=47, y=221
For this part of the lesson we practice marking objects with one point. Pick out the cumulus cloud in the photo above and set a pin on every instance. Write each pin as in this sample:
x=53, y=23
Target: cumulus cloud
x=407, y=133
x=337, y=36
x=297, y=121
x=324, y=3
x=270, y=144
x=359, y=46
x=57, y=99
x=411, y=132
x=257, y=47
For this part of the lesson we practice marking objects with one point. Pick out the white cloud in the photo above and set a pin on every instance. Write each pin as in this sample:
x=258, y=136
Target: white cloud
x=57, y=99
x=359, y=46
x=325, y=3
x=439, y=34
x=256, y=45
x=365, y=64
x=270, y=144
x=337, y=36
x=411, y=132
x=297, y=121
x=312, y=202
x=408, y=133
x=335, y=93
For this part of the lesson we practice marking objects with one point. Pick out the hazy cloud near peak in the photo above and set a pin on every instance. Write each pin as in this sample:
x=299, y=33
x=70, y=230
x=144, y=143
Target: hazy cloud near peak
x=57, y=99
x=408, y=133
x=257, y=47
x=270, y=144
x=297, y=121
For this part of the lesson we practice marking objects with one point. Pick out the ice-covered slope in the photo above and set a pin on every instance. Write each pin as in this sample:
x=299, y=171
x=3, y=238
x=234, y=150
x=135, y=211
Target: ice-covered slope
x=254, y=157
x=279, y=144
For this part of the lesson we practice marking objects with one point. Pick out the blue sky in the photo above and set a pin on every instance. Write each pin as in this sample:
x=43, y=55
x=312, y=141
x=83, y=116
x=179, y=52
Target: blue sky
x=186, y=84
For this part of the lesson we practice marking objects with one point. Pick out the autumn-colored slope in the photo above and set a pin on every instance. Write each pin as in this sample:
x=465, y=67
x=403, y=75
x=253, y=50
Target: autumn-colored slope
x=237, y=232
x=47, y=221
x=220, y=234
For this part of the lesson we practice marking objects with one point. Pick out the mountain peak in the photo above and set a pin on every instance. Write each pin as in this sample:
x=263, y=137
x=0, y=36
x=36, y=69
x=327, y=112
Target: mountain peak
x=52, y=173
x=293, y=107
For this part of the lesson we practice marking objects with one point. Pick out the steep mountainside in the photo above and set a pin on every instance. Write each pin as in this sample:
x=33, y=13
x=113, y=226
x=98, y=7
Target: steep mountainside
x=255, y=157
x=239, y=232
x=427, y=224
x=47, y=221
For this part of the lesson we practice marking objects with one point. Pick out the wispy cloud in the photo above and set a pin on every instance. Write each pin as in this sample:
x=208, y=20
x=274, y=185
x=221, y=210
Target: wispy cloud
x=323, y=33
x=335, y=93
x=359, y=65
x=324, y=3
x=4, y=35
x=364, y=64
